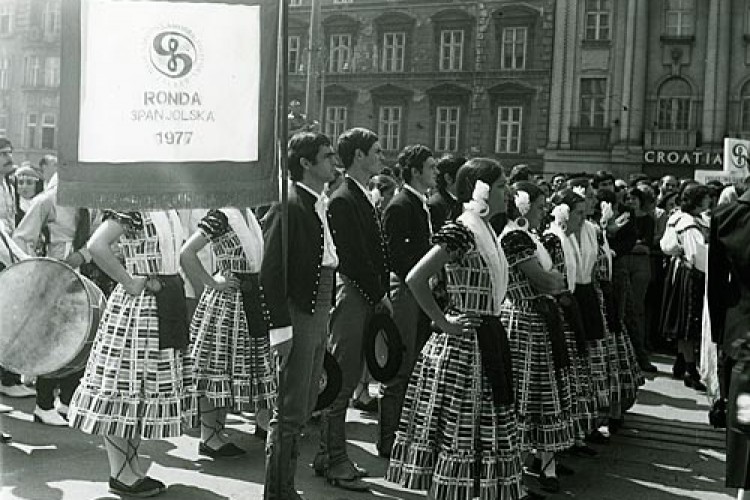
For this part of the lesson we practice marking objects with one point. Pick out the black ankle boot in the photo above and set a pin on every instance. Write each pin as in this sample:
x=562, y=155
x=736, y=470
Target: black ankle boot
x=692, y=378
x=678, y=368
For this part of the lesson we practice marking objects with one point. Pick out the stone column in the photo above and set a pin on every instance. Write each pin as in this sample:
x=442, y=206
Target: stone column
x=572, y=44
x=558, y=75
x=634, y=73
x=717, y=71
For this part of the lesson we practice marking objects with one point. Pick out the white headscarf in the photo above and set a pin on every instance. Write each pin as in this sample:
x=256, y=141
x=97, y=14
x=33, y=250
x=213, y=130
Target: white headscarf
x=486, y=241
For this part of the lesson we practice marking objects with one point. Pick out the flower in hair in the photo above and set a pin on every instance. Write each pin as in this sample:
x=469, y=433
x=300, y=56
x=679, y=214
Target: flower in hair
x=561, y=213
x=580, y=191
x=479, y=197
x=375, y=195
x=607, y=212
x=523, y=202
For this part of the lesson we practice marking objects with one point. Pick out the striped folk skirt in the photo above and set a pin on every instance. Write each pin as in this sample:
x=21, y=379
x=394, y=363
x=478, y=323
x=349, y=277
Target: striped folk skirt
x=131, y=387
x=543, y=394
x=453, y=440
x=625, y=373
x=583, y=395
x=232, y=368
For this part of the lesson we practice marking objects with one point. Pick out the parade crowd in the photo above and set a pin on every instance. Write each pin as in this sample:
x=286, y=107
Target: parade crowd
x=525, y=310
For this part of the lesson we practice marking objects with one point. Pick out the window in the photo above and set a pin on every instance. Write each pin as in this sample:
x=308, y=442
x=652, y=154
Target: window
x=514, y=48
x=673, y=105
x=6, y=19
x=451, y=50
x=49, y=124
x=3, y=125
x=394, y=47
x=447, y=127
x=31, y=122
x=52, y=72
x=5, y=73
x=509, y=126
x=51, y=19
x=680, y=17
x=295, y=54
x=33, y=71
x=597, y=19
x=389, y=127
x=335, y=121
x=593, y=101
x=340, y=53
x=295, y=3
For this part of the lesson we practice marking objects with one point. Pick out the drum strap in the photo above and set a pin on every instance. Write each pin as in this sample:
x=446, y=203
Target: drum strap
x=13, y=258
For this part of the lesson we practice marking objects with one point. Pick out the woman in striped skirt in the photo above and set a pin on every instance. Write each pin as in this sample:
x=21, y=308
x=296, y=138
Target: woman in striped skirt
x=541, y=364
x=572, y=245
x=231, y=352
x=625, y=376
x=136, y=380
x=457, y=433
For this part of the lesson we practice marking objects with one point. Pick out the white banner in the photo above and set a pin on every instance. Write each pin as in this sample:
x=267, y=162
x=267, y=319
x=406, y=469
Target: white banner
x=736, y=156
x=169, y=82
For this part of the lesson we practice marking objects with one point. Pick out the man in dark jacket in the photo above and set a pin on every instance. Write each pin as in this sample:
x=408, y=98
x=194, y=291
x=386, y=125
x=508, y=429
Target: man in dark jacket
x=407, y=226
x=362, y=288
x=300, y=310
x=728, y=294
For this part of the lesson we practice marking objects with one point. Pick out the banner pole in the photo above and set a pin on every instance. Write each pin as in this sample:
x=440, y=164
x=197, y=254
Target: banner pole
x=281, y=140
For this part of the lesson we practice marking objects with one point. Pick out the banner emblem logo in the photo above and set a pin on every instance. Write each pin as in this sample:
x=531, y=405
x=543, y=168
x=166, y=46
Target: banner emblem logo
x=739, y=155
x=173, y=53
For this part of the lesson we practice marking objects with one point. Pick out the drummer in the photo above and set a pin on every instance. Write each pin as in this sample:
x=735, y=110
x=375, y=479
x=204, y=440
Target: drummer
x=10, y=383
x=69, y=229
x=9, y=254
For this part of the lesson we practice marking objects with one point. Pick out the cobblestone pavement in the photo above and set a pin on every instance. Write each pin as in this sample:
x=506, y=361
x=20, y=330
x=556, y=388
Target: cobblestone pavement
x=665, y=451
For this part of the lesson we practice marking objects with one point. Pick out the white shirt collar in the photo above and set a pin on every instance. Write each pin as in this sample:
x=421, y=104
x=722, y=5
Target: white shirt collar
x=308, y=189
x=364, y=190
x=419, y=195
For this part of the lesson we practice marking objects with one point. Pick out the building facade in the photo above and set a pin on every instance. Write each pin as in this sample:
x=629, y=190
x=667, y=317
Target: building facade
x=471, y=78
x=30, y=76
x=564, y=86
x=648, y=85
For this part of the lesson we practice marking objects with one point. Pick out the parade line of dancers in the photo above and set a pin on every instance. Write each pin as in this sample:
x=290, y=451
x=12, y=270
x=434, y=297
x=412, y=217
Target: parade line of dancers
x=517, y=347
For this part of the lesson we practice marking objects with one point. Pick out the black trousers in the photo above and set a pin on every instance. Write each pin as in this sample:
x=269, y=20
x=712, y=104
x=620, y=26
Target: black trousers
x=8, y=377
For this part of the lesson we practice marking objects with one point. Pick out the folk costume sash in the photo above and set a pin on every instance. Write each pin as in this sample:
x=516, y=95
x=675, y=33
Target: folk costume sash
x=169, y=231
x=171, y=305
x=492, y=254
x=494, y=347
x=587, y=252
x=571, y=265
x=249, y=233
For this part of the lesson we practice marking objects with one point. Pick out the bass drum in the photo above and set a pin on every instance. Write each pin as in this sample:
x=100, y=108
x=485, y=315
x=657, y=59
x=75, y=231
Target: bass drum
x=49, y=314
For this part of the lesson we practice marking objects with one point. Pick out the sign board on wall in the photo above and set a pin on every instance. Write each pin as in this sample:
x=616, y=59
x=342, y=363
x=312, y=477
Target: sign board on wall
x=682, y=158
x=735, y=163
x=162, y=103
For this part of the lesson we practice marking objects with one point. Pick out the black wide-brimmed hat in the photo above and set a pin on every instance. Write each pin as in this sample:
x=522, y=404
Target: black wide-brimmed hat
x=330, y=382
x=383, y=347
